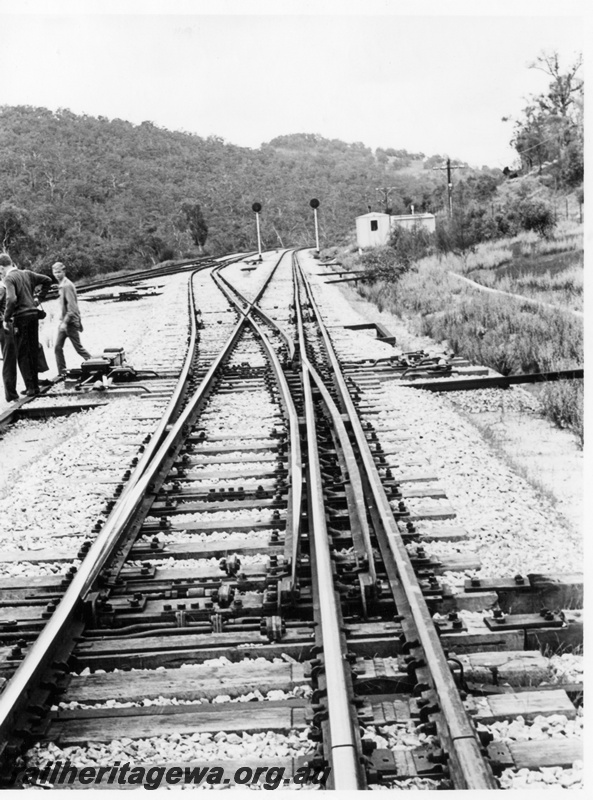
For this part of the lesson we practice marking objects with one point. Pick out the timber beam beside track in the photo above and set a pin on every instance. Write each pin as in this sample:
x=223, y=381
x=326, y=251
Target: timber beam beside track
x=495, y=381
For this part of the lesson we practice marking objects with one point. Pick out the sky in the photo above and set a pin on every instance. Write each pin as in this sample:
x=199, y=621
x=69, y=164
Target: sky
x=431, y=77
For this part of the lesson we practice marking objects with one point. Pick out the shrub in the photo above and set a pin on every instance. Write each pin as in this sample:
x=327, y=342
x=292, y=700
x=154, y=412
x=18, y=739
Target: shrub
x=536, y=215
x=524, y=204
x=411, y=244
x=382, y=263
x=468, y=227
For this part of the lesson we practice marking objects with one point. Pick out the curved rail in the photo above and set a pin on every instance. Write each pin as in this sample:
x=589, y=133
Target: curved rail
x=293, y=522
x=470, y=765
x=343, y=743
x=18, y=690
x=344, y=746
x=8, y=416
x=176, y=400
x=351, y=461
x=340, y=428
x=177, y=397
x=253, y=307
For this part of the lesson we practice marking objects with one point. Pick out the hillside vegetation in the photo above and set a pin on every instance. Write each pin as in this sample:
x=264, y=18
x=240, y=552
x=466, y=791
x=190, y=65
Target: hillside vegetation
x=501, y=332
x=106, y=195
x=522, y=236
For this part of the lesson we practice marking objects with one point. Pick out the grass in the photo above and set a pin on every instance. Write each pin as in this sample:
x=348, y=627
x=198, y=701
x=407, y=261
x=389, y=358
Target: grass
x=567, y=238
x=564, y=289
x=501, y=332
x=493, y=439
x=549, y=270
x=563, y=403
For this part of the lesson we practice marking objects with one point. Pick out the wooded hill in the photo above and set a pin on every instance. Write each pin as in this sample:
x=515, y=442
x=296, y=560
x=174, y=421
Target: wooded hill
x=104, y=195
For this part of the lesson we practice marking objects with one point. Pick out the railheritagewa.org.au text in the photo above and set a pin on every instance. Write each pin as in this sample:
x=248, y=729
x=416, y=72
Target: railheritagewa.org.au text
x=63, y=773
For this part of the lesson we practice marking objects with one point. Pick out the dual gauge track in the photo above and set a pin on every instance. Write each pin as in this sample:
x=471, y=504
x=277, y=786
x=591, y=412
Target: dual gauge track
x=256, y=553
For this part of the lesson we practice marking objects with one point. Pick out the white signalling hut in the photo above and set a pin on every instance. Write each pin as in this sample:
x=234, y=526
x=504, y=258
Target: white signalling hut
x=373, y=229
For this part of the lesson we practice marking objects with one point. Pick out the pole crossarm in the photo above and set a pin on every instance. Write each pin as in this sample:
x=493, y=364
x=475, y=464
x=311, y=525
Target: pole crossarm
x=386, y=190
x=448, y=166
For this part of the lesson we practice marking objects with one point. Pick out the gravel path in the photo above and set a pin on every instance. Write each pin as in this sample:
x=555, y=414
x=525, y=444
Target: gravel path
x=520, y=297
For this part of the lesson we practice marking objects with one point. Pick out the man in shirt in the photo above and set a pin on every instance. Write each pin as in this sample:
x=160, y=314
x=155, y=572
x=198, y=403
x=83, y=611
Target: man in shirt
x=7, y=342
x=21, y=316
x=70, y=323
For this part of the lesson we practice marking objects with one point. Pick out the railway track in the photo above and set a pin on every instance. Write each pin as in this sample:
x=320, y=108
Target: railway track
x=139, y=405
x=259, y=596
x=131, y=287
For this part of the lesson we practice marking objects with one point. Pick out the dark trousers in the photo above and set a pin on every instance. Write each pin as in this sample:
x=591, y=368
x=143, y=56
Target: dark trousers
x=8, y=345
x=26, y=328
x=71, y=333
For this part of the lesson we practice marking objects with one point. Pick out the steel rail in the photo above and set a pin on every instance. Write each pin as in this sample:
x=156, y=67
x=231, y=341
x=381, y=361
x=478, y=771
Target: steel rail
x=471, y=767
x=264, y=285
x=254, y=307
x=351, y=461
x=354, y=474
x=175, y=400
x=281, y=332
x=143, y=275
x=159, y=272
x=139, y=275
x=18, y=690
x=7, y=417
x=296, y=462
x=343, y=745
x=153, y=272
x=177, y=397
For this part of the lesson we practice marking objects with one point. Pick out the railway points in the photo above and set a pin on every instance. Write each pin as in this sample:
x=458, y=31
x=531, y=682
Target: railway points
x=269, y=563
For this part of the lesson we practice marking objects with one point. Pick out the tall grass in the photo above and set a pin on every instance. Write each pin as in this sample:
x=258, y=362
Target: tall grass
x=563, y=289
x=567, y=237
x=563, y=403
x=503, y=333
x=548, y=270
x=488, y=256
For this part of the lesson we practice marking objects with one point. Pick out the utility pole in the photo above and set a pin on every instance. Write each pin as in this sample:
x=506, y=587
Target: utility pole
x=386, y=192
x=448, y=167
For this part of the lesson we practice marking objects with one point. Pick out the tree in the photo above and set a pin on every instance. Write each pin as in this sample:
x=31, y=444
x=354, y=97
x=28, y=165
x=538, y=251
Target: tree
x=524, y=204
x=150, y=245
x=564, y=89
x=111, y=195
x=194, y=220
x=549, y=136
x=12, y=225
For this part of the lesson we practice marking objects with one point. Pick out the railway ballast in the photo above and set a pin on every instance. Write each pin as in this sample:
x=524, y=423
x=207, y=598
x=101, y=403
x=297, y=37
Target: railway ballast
x=275, y=558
